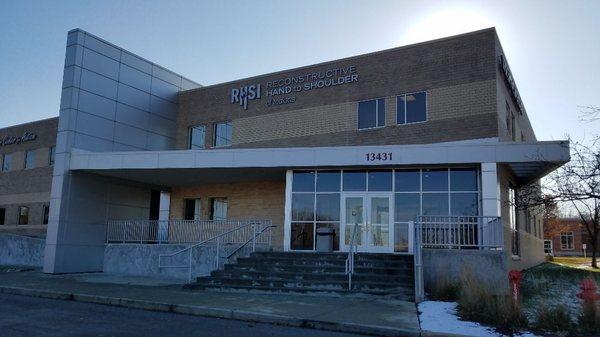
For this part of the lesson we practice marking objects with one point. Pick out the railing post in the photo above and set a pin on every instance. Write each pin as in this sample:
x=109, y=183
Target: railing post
x=190, y=265
x=253, y=237
x=218, y=253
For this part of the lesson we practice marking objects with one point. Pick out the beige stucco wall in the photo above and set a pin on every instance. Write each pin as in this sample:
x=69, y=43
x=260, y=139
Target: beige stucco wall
x=247, y=200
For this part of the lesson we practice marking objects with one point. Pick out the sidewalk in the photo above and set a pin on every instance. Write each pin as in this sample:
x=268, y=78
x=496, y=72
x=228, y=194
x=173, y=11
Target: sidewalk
x=371, y=316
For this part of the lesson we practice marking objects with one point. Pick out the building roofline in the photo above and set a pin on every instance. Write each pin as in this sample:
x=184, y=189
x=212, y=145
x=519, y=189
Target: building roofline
x=26, y=123
x=485, y=30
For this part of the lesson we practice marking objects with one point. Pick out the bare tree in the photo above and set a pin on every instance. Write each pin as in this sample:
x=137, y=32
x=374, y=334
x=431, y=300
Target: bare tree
x=589, y=113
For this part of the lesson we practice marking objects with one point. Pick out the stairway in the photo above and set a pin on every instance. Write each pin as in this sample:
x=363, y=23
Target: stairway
x=315, y=273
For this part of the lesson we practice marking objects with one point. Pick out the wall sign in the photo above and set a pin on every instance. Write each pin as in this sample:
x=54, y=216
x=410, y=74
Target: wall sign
x=510, y=82
x=284, y=90
x=25, y=137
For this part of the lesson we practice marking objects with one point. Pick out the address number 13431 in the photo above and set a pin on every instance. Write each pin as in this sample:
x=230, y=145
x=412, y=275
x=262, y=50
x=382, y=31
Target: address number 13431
x=378, y=156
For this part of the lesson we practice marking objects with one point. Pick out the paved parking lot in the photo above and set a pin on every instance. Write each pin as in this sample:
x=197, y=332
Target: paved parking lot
x=29, y=316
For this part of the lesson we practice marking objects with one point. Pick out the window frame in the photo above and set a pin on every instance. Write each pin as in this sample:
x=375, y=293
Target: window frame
x=190, y=132
x=51, y=155
x=29, y=154
x=19, y=215
x=213, y=201
x=405, y=110
x=4, y=168
x=214, y=138
x=376, y=114
x=567, y=235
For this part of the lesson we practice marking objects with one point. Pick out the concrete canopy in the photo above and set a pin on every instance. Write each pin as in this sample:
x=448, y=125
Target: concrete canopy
x=528, y=160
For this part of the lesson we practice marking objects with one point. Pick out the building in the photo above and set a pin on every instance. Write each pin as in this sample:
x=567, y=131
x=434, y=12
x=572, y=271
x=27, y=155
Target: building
x=430, y=138
x=26, y=157
x=566, y=237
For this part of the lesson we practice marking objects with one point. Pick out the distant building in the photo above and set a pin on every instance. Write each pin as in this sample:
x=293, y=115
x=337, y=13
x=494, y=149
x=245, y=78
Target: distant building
x=566, y=237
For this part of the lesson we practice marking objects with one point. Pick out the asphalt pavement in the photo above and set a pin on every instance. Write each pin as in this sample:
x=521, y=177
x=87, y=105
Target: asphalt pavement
x=29, y=316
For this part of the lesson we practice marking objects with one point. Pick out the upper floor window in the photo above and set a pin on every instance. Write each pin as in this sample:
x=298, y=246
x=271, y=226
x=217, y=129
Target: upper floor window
x=6, y=162
x=197, y=134
x=29, y=159
x=411, y=108
x=218, y=209
x=222, y=134
x=23, y=215
x=2, y=215
x=46, y=214
x=371, y=114
x=51, y=153
x=566, y=241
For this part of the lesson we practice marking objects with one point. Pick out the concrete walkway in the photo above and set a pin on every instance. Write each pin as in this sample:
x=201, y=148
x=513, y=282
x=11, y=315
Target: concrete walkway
x=373, y=316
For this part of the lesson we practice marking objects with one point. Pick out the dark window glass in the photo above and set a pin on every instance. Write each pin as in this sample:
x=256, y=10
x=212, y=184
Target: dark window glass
x=380, y=181
x=336, y=233
x=46, y=214
x=2, y=215
x=328, y=207
x=23, y=215
x=197, y=134
x=51, y=153
x=302, y=236
x=435, y=203
x=400, y=110
x=464, y=203
x=381, y=112
x=464, y=179
x=416, y=108
x=328, y=181
x=6, y=162
x=408, y=206
x=303, y=207
x=303, y=181
x=435, y=180
x=355, y=180
x=371, y=113
x=408, y=181
x=154, y=205
x=223, y=134
x=190, y=207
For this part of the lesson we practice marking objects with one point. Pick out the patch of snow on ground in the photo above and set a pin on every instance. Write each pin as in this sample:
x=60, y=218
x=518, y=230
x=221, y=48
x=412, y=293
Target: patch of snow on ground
x=442, y=317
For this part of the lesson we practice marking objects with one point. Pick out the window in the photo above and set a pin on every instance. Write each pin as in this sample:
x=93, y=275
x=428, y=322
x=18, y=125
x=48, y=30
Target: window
x=222, y=134
x=191, y=209
x=51, y=153
x=29, y=159
x=2, y=215
x=23, y=215
x=371, y=114
x=197, y=134
x=548, y=247
x=45, y=215
x=566, y=241
x=411, y=108
x=218, y=209
x=6, y=162
x=514, y=223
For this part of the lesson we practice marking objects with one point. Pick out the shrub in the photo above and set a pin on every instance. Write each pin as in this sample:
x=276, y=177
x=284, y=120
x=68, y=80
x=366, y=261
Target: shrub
x=549, y=258
x=589, y=319
x=445, y=290
x=554, y=319
x=479, y=304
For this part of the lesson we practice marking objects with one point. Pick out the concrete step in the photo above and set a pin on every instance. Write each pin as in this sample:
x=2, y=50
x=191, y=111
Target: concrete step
x=332, y=256
x=312, y=269
x=322, y=262
x=399, y=294
x=406, y=278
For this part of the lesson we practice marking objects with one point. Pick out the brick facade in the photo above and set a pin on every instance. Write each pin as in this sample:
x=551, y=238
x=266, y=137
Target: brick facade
x=554, y=228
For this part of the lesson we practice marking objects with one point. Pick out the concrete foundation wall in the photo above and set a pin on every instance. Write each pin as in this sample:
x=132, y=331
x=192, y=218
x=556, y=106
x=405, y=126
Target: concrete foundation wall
x=21, y=250
x=135, y=259
x=445, y=265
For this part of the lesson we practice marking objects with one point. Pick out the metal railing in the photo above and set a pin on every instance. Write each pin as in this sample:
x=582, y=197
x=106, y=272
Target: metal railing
x=453, y=232
x=250, y=232
x=172, y=231
x=350, y=259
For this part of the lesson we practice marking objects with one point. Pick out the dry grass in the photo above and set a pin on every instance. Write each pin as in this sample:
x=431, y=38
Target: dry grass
x=580, y=263
x=445, y=290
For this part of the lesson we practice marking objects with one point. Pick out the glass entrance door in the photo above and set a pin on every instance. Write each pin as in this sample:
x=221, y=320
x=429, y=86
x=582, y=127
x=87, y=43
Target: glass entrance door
x=369, y=214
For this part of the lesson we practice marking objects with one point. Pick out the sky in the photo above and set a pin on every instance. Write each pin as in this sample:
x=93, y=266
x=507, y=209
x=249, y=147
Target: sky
x=553, y=47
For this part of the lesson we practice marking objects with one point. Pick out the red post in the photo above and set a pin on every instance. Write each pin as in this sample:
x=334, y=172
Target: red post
x=588, y=291
x=515, y=277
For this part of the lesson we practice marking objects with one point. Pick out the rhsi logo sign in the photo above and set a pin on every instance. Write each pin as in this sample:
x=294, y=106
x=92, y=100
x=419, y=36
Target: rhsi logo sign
x=245, y=94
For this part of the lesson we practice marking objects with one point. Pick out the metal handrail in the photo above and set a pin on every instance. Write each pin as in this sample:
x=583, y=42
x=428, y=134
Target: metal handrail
x=253, y=239
x=350, y=258
x=218, y=242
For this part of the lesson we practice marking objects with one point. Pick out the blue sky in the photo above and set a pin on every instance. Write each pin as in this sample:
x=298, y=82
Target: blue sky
x=553, y=47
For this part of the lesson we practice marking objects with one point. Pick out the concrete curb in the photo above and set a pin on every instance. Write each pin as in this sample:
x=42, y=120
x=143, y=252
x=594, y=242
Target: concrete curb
x=215, y=312
x=425, y=333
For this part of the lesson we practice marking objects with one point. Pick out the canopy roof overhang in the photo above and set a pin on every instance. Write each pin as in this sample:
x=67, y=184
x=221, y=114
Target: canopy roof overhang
x=528, y=161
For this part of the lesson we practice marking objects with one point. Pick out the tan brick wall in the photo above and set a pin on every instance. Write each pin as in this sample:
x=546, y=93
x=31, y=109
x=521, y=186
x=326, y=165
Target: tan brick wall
x=248, y=200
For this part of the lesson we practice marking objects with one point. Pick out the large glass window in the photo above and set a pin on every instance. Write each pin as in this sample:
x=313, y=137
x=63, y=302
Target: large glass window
x=408, y=180
x=23, y=215
x=197, y=136
x=6, y=162
x=411, y=108
x=380, y=180
x=222, y=134
x=29, y=159
x=218, y=209
x=435, y=179
x=355, y=181
x=371, y=114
